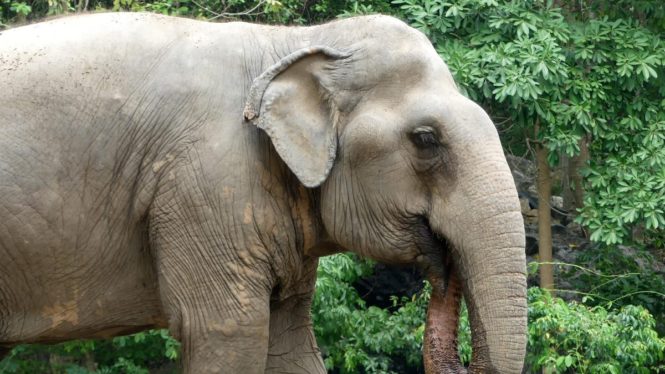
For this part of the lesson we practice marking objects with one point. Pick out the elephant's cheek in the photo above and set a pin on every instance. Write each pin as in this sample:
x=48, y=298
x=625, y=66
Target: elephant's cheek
x=440, y=345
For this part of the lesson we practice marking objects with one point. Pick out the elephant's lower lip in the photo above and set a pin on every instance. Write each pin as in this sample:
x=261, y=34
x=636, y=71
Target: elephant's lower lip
x=440, y=342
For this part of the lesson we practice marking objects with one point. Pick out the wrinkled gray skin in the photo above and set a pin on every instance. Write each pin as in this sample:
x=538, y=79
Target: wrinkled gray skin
x=167, y=172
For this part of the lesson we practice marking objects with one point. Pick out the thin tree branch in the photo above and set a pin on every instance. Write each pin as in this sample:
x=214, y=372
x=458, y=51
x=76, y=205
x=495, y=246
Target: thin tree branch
x=217, y=15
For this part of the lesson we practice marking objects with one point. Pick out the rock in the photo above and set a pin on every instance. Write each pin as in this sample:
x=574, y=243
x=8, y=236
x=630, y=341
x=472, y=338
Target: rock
x=556, y=202
x=531, y=219
x=565, y=254
x=524, y=205
x=530, y=199
x=656, y=266
x=532, y=213
x=561, y=216
x=524, y=174
x=558, y=229
x=531, y=247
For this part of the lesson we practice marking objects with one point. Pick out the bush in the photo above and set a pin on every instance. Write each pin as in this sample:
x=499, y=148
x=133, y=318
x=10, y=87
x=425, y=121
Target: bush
x=355, y=337
x=621, y=276
x=568, y=336
x=575, y=338
x=134, y=354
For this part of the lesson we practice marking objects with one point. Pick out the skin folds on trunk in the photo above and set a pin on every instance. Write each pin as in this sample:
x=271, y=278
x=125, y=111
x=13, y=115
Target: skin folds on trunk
x=496, y=301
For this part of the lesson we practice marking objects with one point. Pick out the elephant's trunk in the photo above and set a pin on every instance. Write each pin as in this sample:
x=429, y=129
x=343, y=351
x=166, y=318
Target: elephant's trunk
x=495, y=294
x=486, y=236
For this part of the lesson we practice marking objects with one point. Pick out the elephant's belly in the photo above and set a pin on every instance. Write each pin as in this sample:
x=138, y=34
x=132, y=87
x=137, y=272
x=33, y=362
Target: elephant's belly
x=82, y=308
x=53, y=289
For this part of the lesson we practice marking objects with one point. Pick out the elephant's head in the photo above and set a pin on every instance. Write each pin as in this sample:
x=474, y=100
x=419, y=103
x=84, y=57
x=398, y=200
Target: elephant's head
x=409, y=170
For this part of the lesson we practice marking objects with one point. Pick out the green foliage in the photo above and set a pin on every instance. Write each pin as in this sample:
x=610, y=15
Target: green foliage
x=134, y=354
x=574, y=338
x=21, y=9
x=501, y=52
x=265, y=11
x=620, y=279
x=355, y=337
x=13, y=10
x=568, y=336
x=651, y=13
x=627, y=173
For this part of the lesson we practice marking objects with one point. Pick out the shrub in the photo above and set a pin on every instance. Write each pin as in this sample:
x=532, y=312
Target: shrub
x=134, y=354
x=622, y=276
x=568, y=336
x=355, y=337
x=575, y=338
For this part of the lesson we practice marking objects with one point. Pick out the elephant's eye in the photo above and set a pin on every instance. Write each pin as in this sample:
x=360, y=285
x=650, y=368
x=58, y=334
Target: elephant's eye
x=425, y=137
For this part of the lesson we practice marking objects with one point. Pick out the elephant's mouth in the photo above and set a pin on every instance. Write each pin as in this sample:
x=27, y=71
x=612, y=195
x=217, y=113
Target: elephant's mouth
x=440, y=341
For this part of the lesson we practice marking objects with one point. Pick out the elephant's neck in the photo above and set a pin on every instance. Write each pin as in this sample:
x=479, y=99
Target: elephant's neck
x=296, y=207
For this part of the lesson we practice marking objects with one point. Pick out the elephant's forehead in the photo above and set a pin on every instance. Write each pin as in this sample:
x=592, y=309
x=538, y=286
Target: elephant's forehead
x=410, y=69
x=383, y=47
x=400, y=57
x=408, y=89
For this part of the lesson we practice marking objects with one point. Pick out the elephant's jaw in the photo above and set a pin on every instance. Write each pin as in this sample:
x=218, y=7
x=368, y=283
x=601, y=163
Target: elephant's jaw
x=440, y=343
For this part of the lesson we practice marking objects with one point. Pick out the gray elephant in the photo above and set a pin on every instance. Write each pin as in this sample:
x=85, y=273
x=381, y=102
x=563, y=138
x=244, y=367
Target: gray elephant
x=164, y=172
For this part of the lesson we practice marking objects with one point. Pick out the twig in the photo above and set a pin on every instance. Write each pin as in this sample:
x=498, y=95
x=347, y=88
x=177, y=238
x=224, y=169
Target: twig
x=587, y=270
x=230, y=15
x=636, y=293
x=206, y=8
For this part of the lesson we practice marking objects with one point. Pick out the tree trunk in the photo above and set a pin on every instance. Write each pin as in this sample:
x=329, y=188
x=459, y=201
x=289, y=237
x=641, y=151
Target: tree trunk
x=90, y=363
x=544, y=222
x=572, y=183
x=544, y=217
x=576, y=178
x=567, y=165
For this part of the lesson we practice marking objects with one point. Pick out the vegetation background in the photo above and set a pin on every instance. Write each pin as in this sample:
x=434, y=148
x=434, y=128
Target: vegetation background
x=576, y=85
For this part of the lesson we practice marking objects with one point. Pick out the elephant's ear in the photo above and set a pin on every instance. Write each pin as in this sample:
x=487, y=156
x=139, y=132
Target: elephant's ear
x=290, y=102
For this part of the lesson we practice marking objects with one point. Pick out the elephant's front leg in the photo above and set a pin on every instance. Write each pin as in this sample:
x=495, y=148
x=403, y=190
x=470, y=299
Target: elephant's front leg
x=222, y=326
x=217, y=301
x=293, y=346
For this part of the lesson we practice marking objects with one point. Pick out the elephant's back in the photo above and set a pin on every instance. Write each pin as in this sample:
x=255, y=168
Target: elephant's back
x=95, y=63
x=80, y=53
x=102, y=29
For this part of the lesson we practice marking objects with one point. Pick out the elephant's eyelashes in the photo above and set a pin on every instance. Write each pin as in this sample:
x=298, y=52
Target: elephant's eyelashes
x=426, y=141
x=425, y=137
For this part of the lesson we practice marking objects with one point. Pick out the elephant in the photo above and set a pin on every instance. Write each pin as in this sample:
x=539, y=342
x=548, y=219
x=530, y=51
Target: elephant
x=162, y=172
